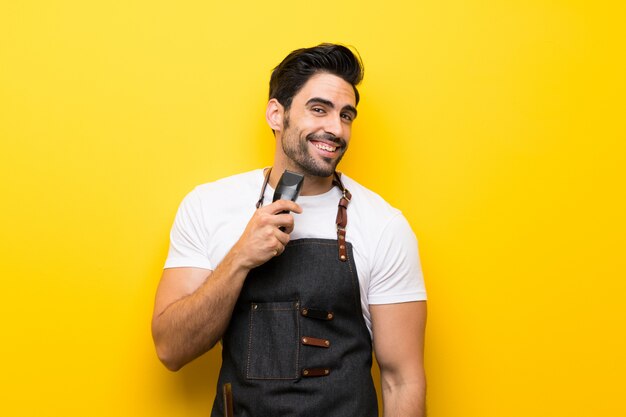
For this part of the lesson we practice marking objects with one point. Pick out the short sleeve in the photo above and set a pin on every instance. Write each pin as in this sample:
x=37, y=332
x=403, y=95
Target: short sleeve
x=188, y=237
x=396, y=269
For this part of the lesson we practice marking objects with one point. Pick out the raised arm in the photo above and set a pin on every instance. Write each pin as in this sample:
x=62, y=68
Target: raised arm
x=193, y=306
x=398, y=331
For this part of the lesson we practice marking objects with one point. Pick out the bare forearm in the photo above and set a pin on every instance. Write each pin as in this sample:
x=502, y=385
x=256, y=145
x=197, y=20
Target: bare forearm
x=192, y=325
x=404, y=400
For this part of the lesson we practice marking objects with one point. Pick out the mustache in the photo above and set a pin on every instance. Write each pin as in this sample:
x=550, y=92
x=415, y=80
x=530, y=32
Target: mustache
x=329, y=137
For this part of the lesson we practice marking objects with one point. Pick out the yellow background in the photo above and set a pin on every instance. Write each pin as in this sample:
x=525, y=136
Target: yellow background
x=496, y=126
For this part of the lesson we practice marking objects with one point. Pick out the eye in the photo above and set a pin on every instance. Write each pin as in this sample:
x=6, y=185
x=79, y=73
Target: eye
x=318, y=110
x=347, y=117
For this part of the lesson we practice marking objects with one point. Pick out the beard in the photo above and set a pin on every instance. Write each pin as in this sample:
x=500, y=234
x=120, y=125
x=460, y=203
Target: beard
x=298, y=151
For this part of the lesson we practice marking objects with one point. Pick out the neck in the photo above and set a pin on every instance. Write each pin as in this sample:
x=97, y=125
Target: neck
x=312, y=185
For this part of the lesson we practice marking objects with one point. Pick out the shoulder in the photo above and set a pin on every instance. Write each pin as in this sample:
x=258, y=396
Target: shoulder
x=368, y=202
x=371, y=219
x=374, y=221
x=231, y=184
x=229, y=190
x=384, y=246
x=229, y=195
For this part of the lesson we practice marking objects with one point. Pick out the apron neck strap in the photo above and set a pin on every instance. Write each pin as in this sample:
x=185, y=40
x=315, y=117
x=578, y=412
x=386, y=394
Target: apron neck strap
x=259, y=203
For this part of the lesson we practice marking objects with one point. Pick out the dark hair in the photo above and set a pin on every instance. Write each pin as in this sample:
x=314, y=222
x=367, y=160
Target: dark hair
x=300, y=65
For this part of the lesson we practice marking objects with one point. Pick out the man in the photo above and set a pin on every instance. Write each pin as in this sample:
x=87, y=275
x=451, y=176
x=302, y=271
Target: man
x=297, y=292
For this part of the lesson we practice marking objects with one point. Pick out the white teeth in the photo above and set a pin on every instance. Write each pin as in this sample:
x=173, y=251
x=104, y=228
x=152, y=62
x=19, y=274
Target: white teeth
x=325, y=147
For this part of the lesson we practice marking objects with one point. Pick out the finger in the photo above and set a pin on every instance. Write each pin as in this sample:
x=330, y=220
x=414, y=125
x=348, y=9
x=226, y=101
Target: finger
x=282, y=221
x=285, y=222
x=282, y=238
x=278, y=248
x=279, y=206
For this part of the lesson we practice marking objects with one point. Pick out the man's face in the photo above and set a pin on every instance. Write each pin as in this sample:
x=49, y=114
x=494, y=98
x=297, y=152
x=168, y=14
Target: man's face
x=317, y=128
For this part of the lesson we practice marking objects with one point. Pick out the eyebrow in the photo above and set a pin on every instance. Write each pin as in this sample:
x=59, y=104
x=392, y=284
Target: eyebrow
x=328, y=103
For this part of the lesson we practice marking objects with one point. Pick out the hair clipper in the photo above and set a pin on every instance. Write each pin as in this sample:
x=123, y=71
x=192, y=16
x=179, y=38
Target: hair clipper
x=288, y=188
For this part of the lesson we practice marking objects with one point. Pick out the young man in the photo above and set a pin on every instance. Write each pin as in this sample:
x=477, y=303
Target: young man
x=297, y=292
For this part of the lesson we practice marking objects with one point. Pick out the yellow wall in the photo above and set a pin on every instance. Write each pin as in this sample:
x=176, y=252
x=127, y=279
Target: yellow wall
x=496, y=126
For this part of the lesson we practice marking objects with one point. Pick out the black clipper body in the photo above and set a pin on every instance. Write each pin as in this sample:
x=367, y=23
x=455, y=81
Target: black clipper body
x=288, y=186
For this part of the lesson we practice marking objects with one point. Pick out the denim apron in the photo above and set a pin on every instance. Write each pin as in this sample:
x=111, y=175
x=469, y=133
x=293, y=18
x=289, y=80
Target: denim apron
x=297, y=343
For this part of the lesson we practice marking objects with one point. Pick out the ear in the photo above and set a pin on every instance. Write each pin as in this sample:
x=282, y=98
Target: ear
x=274, y=114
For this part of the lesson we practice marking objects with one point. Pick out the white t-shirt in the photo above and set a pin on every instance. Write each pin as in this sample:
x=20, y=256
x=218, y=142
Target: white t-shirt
x=213, y=216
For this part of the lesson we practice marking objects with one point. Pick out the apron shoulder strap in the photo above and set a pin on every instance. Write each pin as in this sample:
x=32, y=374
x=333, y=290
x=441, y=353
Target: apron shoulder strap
x=342, y=217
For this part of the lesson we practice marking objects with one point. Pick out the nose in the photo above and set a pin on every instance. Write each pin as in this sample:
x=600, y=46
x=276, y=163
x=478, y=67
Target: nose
x=334, y=126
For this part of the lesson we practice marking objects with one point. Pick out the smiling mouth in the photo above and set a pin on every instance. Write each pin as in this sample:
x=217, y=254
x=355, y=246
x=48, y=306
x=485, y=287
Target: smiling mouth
x=324, y=146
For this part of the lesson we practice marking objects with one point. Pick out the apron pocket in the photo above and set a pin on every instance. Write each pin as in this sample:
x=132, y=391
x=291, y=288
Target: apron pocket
x=273, y=344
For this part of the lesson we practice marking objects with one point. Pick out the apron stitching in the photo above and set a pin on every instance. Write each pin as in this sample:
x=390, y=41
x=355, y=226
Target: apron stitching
x=249, y=344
